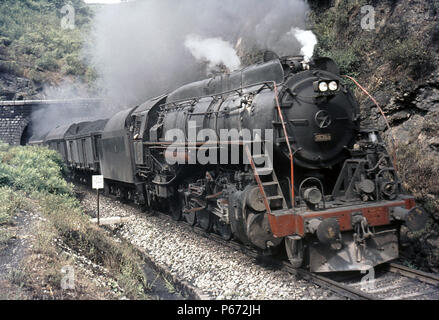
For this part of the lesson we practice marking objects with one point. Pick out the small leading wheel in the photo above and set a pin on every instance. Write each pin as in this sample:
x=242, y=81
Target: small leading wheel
x=295, y=251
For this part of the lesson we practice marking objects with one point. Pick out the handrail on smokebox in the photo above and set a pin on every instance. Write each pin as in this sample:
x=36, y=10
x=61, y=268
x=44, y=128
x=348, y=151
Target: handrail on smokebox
x=288, y=143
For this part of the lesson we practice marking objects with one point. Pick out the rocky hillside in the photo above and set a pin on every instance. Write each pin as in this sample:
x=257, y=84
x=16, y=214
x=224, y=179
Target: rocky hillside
x=34, y=48
x=397, y=62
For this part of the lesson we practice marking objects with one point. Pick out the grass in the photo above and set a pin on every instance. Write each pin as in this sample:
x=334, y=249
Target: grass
x=5, y=237
x=10, y=203
x=391, y=51
x=18, y=277
x=416, y=170
x=44, y=189
x=328, y=26
x=18, y=171
x=410, y=55
x=169, y=286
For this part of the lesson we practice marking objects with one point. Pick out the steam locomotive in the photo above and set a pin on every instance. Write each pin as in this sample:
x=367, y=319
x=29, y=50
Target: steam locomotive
x=273, y=156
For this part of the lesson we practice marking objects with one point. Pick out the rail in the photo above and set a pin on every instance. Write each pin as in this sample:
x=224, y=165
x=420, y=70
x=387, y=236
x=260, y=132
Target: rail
x=414, y=274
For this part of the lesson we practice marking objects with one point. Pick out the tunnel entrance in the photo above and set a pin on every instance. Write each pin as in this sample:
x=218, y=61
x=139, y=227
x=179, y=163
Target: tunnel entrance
x=26, y=135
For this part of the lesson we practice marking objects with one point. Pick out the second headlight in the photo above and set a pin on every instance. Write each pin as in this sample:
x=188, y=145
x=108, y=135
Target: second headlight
x=333, y=86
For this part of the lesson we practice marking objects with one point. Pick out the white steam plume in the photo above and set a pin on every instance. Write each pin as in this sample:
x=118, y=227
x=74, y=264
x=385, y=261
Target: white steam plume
x=216, y=51
x=307, y=39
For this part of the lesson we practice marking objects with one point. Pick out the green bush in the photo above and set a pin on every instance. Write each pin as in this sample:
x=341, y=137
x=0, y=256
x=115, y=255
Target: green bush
x=47, y=62
x=328, y=26
x=10, y=67
x=33, y=169
x=10, y=202
x=74, y=65
x=410, y=54
x=32, y=31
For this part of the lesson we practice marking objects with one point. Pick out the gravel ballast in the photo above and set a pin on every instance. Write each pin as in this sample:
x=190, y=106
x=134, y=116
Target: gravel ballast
x=218, y=271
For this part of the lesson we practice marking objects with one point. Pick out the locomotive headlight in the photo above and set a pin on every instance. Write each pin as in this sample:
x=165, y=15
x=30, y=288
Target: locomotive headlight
x=333, y=86
x=326, y=87
x=323, y=87
x=312, y=195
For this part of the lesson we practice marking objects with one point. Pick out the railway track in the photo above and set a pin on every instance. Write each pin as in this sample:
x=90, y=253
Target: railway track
x=393, y=282
x=339, y=288
x=390, y=282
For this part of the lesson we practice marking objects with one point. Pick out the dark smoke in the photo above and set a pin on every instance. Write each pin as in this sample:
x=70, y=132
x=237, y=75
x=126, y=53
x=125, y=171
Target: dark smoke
x=143, y=49
x=50, y=116
x=139, y=47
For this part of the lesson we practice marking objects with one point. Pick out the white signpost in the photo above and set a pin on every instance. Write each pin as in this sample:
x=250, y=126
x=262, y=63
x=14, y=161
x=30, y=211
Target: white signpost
x=98, y=183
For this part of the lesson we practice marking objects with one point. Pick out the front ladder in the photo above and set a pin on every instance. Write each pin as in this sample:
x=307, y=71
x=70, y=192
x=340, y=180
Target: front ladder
x=267, y=181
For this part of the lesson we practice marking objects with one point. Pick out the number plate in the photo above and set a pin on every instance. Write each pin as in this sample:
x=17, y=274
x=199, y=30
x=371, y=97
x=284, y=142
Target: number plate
x=323, y=137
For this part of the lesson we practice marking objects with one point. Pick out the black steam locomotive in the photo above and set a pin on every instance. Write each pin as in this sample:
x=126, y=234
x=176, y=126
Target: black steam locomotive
x=273, y=156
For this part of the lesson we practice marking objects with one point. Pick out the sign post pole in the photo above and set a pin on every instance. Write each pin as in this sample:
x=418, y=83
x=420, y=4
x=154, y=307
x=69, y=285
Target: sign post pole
x=97, y=190
x=98, y=183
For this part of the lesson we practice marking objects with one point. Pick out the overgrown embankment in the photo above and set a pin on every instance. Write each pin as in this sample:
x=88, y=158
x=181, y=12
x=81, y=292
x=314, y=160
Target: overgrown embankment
x=31, y=181
x=35, y=50
x=396, y=60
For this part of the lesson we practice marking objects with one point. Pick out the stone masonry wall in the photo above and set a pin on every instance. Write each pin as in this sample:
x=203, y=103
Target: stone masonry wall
x=13, y=121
